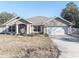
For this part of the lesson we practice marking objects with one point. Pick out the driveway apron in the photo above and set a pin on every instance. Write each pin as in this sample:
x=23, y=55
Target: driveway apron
x=68, y=45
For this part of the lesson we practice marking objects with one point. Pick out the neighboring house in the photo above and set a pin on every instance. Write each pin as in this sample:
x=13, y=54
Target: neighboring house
x=38, y=24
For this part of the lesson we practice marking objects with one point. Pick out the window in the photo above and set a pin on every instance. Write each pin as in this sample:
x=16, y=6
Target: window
x=11, y=28
x=37, y=28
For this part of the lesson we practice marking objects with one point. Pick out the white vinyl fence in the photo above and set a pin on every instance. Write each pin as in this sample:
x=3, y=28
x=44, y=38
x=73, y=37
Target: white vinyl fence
x=75, y=30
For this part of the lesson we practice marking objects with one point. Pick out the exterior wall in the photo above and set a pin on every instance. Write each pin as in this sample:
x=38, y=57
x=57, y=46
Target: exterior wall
x=29, y=31
x=45, y=30
x=3, y=29
x=30, y=28
x=6, y=28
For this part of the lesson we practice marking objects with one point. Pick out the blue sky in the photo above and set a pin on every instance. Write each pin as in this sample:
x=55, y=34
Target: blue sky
x=28, y=9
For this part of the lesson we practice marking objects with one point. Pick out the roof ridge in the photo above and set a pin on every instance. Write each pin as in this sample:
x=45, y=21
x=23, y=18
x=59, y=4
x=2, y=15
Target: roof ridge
x=49, y=19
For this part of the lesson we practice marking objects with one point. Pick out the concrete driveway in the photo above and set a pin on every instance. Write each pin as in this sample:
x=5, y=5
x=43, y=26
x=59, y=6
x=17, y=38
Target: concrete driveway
x=68, y=45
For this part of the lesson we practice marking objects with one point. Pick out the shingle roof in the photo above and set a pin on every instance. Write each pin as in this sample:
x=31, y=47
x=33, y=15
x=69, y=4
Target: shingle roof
x=42, y=20
x=38, y=20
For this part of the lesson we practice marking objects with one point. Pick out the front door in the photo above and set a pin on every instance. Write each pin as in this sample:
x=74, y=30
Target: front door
x=22, y=29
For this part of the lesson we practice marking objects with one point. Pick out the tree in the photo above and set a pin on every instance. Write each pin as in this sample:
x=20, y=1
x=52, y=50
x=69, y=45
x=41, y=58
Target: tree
x=5, y=16
x=71, y=13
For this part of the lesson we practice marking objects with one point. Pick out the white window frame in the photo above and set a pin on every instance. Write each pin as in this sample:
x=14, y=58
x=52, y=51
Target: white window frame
x=37, y=29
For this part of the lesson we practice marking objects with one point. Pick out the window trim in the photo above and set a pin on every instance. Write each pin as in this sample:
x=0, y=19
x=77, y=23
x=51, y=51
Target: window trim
x=38, y=28
x=12, y=29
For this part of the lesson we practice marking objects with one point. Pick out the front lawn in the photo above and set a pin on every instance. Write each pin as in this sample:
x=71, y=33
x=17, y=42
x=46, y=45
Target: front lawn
x=26, y=47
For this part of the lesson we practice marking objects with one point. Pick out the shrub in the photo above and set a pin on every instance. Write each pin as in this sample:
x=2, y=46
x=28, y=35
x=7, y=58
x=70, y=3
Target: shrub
x=41, y=33
x=46, y=35
x=30, y=35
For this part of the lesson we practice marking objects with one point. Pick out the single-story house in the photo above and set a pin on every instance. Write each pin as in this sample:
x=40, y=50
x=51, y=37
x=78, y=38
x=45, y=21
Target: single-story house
x=38, y=24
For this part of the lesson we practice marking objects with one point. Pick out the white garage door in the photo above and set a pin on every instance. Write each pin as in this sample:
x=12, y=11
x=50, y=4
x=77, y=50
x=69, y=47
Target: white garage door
x=57, y=30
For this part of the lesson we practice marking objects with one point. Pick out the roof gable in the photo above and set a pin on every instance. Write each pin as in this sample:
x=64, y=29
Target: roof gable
x=56, y=21
x=14, y=20
x=64, y=20
x=22, y=21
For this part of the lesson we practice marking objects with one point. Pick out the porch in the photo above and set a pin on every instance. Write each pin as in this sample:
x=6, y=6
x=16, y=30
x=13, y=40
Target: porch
x=18, y=29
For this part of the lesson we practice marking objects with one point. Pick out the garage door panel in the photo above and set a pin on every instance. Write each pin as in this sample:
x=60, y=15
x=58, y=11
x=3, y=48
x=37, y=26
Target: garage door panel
x=57, y=30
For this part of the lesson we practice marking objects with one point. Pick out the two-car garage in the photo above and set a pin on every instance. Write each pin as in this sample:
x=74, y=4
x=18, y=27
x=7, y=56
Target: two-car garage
x=57, y=30
x=58, y=26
